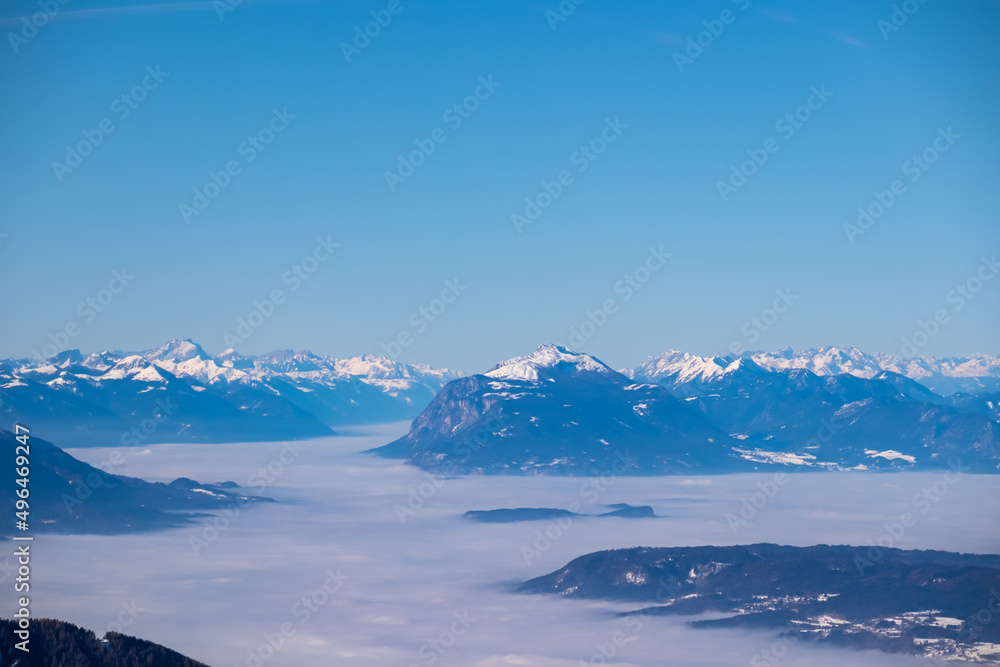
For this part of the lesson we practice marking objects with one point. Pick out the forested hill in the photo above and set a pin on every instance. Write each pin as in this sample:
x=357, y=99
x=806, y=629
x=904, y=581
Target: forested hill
x=60, y=644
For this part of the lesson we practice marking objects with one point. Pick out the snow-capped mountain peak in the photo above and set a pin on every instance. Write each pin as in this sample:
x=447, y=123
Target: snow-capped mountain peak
x=681, y=366
x=284, y=394
x=944, y=376
x=828, y=360
x=744, y=365
x=66, y=358
x=546, y=360
x=231, y=359
x=134, y=367
x=100, y=361
x=177, y=351
x=371, y=365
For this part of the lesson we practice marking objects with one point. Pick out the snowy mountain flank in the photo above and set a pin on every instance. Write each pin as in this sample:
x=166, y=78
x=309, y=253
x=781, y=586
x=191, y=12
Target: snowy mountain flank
x=557, y=411
x=943, y=376
x=180, y=393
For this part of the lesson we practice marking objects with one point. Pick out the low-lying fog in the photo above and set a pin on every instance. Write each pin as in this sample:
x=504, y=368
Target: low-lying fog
x=433, y=589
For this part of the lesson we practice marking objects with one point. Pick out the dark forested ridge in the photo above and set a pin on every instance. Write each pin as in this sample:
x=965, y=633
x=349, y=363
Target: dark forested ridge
x=930, y=603
x=60, y=644
x=70, y=496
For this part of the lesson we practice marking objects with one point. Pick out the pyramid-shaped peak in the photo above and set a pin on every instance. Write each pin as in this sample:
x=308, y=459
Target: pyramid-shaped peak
x=545, y=360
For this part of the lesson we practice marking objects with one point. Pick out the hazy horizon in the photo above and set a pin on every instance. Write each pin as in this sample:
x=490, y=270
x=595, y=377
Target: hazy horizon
x=417, y=362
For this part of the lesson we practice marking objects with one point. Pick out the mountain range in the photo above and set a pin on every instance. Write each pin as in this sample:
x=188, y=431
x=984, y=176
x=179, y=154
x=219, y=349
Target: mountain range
x=179, y=393
x=553, y=411
x=974, y=374
x=927, y=603
x=70, y=496
x=563, y=412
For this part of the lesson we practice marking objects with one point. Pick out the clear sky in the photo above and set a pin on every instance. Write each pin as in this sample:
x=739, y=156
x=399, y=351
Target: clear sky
x=665, y=122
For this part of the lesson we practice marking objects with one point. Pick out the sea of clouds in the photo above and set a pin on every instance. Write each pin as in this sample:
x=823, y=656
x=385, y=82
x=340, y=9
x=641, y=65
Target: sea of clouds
x=365, y=561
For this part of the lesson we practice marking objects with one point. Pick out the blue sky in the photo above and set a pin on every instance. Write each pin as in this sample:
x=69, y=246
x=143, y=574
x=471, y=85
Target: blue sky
x=344, y=124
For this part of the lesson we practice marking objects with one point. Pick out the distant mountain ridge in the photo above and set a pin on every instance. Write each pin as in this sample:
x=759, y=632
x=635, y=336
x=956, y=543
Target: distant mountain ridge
x=72, y=497
x=945, y=376
x=180, y=393
x=569, y=412
x=557, y=411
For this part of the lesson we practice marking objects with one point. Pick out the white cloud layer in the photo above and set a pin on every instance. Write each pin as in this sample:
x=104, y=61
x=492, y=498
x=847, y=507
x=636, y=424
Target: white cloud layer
x=440, y=579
